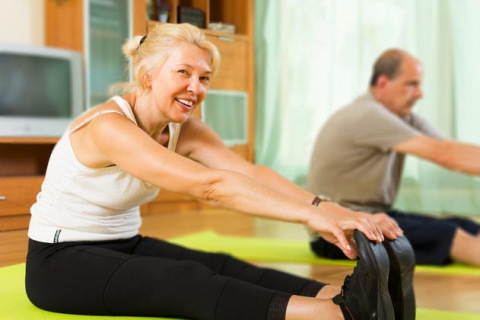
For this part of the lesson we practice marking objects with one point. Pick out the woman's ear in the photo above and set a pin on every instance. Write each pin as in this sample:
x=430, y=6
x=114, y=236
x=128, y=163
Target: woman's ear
x=147, y=80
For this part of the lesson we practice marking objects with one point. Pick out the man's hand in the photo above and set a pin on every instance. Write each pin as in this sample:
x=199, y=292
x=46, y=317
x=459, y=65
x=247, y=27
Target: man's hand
x=388, y=225
x=336, y=224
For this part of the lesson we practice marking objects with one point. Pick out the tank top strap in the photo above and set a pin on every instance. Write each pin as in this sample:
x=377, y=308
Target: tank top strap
x=93, y=116
x=120, y=102
x=126, y=108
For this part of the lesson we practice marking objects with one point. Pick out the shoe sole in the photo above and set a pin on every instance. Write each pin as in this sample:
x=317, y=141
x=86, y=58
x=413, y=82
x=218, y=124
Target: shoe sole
x=376, y=259
x=402, y=266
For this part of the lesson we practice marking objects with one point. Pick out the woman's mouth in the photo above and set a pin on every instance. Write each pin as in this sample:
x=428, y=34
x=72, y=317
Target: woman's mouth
x=187, y=103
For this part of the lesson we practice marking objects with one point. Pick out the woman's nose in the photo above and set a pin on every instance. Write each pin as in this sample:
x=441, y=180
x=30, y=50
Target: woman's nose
x=194, y=86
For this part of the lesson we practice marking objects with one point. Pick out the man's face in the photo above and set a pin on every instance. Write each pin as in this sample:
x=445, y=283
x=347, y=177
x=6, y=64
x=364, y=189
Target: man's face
x=402, y=92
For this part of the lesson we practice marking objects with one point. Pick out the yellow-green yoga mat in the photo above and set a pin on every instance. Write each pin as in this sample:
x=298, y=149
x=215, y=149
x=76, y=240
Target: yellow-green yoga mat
x=14, y=304
x=286, y=250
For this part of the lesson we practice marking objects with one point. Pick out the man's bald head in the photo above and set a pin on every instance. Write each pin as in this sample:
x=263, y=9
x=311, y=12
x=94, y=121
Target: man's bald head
x=388, y=64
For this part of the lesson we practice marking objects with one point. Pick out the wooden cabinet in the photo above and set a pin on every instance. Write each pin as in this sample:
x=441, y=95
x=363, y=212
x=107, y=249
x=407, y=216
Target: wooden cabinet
x=23, y=162
x=65, y=23
x=17, y=195
x=236, y=73
x=98, y=29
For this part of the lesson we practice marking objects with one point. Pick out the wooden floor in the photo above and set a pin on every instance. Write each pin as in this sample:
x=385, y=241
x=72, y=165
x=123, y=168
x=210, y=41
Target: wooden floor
x=433, y=291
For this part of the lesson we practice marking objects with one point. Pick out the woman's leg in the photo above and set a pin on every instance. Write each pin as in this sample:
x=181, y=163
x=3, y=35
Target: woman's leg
x=301, y=308
x=104, y=279
x=91, y=279
x=229, y=266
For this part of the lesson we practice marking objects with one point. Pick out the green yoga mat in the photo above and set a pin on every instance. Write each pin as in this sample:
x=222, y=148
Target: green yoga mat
x=286, y=250
x=14, y=304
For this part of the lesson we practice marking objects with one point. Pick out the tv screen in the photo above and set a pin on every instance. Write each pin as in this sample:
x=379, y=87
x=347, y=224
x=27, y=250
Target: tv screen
x=41, y=90
x=34, y=86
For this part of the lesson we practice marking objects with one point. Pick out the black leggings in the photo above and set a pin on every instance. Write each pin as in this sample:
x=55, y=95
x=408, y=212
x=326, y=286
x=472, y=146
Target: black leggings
x=144, y=276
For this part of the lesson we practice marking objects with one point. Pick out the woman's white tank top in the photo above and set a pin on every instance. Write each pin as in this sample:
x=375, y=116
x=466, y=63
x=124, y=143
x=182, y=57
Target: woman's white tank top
x=77, y=203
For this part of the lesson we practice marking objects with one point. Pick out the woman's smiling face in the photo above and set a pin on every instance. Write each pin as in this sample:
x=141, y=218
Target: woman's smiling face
x=182, y=82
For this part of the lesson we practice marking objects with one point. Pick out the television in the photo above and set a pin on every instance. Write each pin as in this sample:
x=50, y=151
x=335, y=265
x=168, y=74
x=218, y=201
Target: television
x=41, y=90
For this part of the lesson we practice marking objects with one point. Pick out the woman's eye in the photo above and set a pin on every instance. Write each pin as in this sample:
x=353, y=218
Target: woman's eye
x=206, y=79
x=183, y=71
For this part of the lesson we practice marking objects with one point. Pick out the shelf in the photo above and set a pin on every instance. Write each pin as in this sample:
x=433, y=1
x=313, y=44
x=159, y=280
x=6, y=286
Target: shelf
x=226, y=36
x=151, y=24
x=238, y=13
x=24, y=157
x=29, y=140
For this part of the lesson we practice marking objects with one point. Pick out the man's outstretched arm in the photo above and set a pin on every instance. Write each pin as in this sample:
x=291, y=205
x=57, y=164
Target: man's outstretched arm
x=456, y=156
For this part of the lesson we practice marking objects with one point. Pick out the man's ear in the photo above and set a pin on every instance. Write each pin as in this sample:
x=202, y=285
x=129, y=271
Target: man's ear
x=382, y=81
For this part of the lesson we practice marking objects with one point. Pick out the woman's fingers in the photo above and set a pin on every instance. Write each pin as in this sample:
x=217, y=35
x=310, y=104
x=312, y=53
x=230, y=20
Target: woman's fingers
x=366, y=225
x=343, y=240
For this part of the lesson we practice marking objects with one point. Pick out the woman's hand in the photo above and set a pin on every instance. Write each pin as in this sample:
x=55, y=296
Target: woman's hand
x=336, y=224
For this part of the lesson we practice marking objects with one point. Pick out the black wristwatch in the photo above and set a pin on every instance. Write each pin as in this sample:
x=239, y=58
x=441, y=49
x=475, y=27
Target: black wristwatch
x=320, y=198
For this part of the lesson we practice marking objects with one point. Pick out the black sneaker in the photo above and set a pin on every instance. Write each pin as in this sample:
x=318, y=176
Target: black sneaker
x=365, y=293
x=400, y=282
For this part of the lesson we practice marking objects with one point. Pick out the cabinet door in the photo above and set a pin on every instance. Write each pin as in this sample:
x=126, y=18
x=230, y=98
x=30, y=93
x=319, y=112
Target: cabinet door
x=233, y=73
x=108, y=27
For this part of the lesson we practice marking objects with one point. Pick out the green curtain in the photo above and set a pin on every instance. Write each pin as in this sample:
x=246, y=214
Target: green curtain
x=314, y=56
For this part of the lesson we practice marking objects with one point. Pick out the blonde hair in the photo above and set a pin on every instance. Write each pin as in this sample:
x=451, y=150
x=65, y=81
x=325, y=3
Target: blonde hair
x=151, y=51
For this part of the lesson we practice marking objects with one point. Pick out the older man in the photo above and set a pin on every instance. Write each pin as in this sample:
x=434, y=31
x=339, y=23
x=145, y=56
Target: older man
x=359, y=153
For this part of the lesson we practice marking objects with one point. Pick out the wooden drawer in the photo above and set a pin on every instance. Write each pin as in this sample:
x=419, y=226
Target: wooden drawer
x=17, y=194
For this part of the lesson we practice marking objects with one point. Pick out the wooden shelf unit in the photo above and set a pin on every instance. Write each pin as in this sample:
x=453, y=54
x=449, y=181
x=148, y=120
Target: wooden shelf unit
x=23, y=162
x=236, y=73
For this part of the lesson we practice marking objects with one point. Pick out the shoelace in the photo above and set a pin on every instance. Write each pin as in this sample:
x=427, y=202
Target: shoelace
x=340, y=298
x=346, y=285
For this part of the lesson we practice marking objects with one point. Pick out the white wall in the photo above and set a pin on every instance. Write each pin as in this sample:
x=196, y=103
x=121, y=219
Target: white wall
x=22, y=21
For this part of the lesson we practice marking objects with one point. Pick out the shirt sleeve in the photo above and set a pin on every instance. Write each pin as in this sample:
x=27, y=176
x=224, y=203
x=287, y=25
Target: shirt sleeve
x=383, y=129
x=425, y=127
